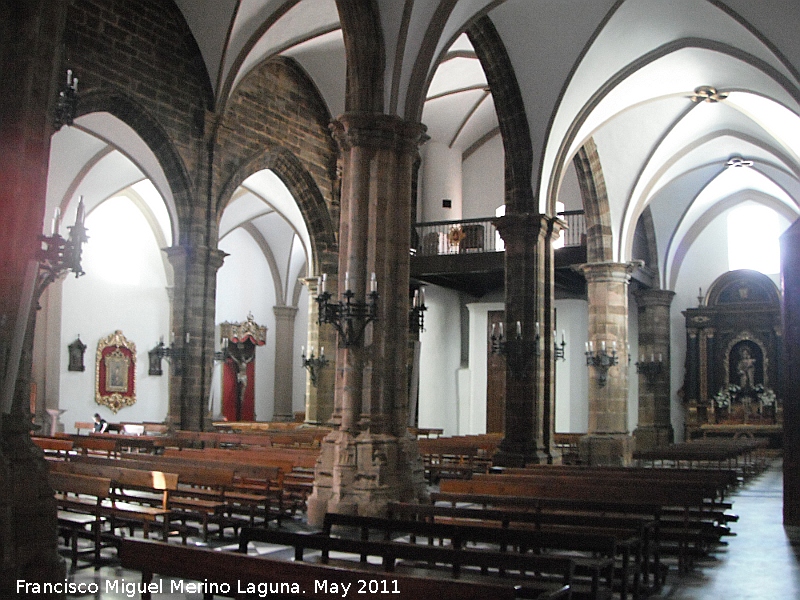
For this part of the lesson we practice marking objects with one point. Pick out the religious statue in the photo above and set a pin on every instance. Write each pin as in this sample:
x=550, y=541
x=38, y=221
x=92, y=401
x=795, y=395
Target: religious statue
x=746, y=369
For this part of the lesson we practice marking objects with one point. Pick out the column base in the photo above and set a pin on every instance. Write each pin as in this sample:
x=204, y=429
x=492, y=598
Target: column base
x=653, y=436
x=360, y=474
x=606, y=449
x=519, y=455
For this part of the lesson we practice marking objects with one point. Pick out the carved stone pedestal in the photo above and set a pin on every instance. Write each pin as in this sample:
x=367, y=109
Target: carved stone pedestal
x=361, y=474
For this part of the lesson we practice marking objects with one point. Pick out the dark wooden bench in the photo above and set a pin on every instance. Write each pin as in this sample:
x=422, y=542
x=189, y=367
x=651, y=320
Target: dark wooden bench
x=685, y=532
x=84, y=518
x=123, y=508
x=538, y=576
x=635, y=536
x=592, y=553
x=220, y=571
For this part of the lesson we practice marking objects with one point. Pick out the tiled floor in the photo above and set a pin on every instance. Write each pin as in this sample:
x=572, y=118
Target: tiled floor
x=759, y=563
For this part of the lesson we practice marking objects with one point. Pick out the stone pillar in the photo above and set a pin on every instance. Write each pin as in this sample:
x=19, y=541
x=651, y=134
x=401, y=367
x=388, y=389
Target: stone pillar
x=654, y=428
x=369, y=459
x=284, y=361
x=608, y=442
x=193, y=307
x=790, y=388
x=524, y=235
x=319, y=398
x=554, y=229
x=30, y=58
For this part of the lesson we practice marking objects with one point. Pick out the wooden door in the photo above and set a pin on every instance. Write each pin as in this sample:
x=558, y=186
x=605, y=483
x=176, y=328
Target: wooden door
x=495, y=379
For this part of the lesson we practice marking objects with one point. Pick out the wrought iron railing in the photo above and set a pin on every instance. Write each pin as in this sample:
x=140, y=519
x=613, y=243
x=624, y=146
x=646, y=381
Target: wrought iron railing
x=480, y=235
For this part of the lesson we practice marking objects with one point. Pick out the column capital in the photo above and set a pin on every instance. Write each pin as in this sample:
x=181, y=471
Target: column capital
x=285, y=312
x=513, y=225
x=376, y=130
x=607, y=272
x=648, y=298
x=180, y=255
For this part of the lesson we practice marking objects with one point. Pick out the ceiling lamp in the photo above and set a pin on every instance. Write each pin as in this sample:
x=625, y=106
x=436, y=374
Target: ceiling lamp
x=738, y=161
x=707, y=93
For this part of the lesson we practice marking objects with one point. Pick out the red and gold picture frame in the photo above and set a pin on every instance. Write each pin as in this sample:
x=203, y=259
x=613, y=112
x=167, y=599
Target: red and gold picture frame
x=115, y=372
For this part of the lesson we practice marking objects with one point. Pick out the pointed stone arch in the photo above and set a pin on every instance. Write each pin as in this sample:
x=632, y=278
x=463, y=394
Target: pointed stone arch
x=599, y=236
x=157, y=140
x=301, y=185
x=510, y=108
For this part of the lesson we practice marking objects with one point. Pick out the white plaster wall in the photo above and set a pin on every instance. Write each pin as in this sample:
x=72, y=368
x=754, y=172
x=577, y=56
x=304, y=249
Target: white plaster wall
x=473, y=417
x=440, y=396
x=706, y=260
x=244, y=286
x=125, y=288
x=440, y=177
x=572, y=379
x=483, y=174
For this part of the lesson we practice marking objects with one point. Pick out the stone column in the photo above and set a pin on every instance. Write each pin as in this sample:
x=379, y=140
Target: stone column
x=655, y=425
x=790, y=385
x=30, y=59
x=284, y=361
x=554, y=229
x=193, y=307
x=319, y=398
x=608, y=442
x=369, y=459
x=524, y=235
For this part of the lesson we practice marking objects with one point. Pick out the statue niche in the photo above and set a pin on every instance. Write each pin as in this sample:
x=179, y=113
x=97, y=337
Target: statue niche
x=732, y=358
x=238, y=381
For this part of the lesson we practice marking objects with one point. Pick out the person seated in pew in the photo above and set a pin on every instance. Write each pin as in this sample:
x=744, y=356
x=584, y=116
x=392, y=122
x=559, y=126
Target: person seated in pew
x=100, y=424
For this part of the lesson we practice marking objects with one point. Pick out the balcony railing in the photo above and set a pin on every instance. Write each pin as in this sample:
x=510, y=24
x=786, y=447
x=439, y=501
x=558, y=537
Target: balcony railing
x=479, y=235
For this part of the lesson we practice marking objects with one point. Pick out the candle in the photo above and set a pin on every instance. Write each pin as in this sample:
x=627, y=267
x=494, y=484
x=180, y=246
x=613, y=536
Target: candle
x=493, y=327
x=501, y=330
x=373, y=283
x=322, y=352
x=591, y=346
x=660, y=357
x=614, y=345
x=422, y=296
x=81, y=212
x=587, y=347
x=603, y=345
x=322, y=283
x=652, y=357
x=536, y=327
x=416, y=299
x=563, y=333
x=519, y=329
x=56, y=220
x=303, y=352
x=346, y=281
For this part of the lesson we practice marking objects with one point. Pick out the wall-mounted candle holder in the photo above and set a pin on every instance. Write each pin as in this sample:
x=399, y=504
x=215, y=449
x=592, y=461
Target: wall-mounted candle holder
x=601, y=360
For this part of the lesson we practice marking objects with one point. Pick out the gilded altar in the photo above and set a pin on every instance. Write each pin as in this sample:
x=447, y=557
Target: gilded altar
x=733, y=357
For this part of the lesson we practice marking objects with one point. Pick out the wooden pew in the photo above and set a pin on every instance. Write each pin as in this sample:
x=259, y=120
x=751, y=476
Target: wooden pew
x=220, y=569
x=592, y=553
x=57, y=448
x=687, y=533
x=246, y=492
x=635, y=536
x=532, y=572
x=121, y=509
x=74, y=518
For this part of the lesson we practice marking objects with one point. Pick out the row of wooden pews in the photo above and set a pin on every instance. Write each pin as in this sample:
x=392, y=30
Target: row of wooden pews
x=457, y=456
x=746, y=455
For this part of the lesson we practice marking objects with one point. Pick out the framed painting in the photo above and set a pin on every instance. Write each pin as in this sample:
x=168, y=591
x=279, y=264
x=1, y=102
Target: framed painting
x=115, y=372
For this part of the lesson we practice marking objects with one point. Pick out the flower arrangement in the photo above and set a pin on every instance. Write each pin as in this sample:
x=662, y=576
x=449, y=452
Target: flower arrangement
x=766, y=396
x=725, y=395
